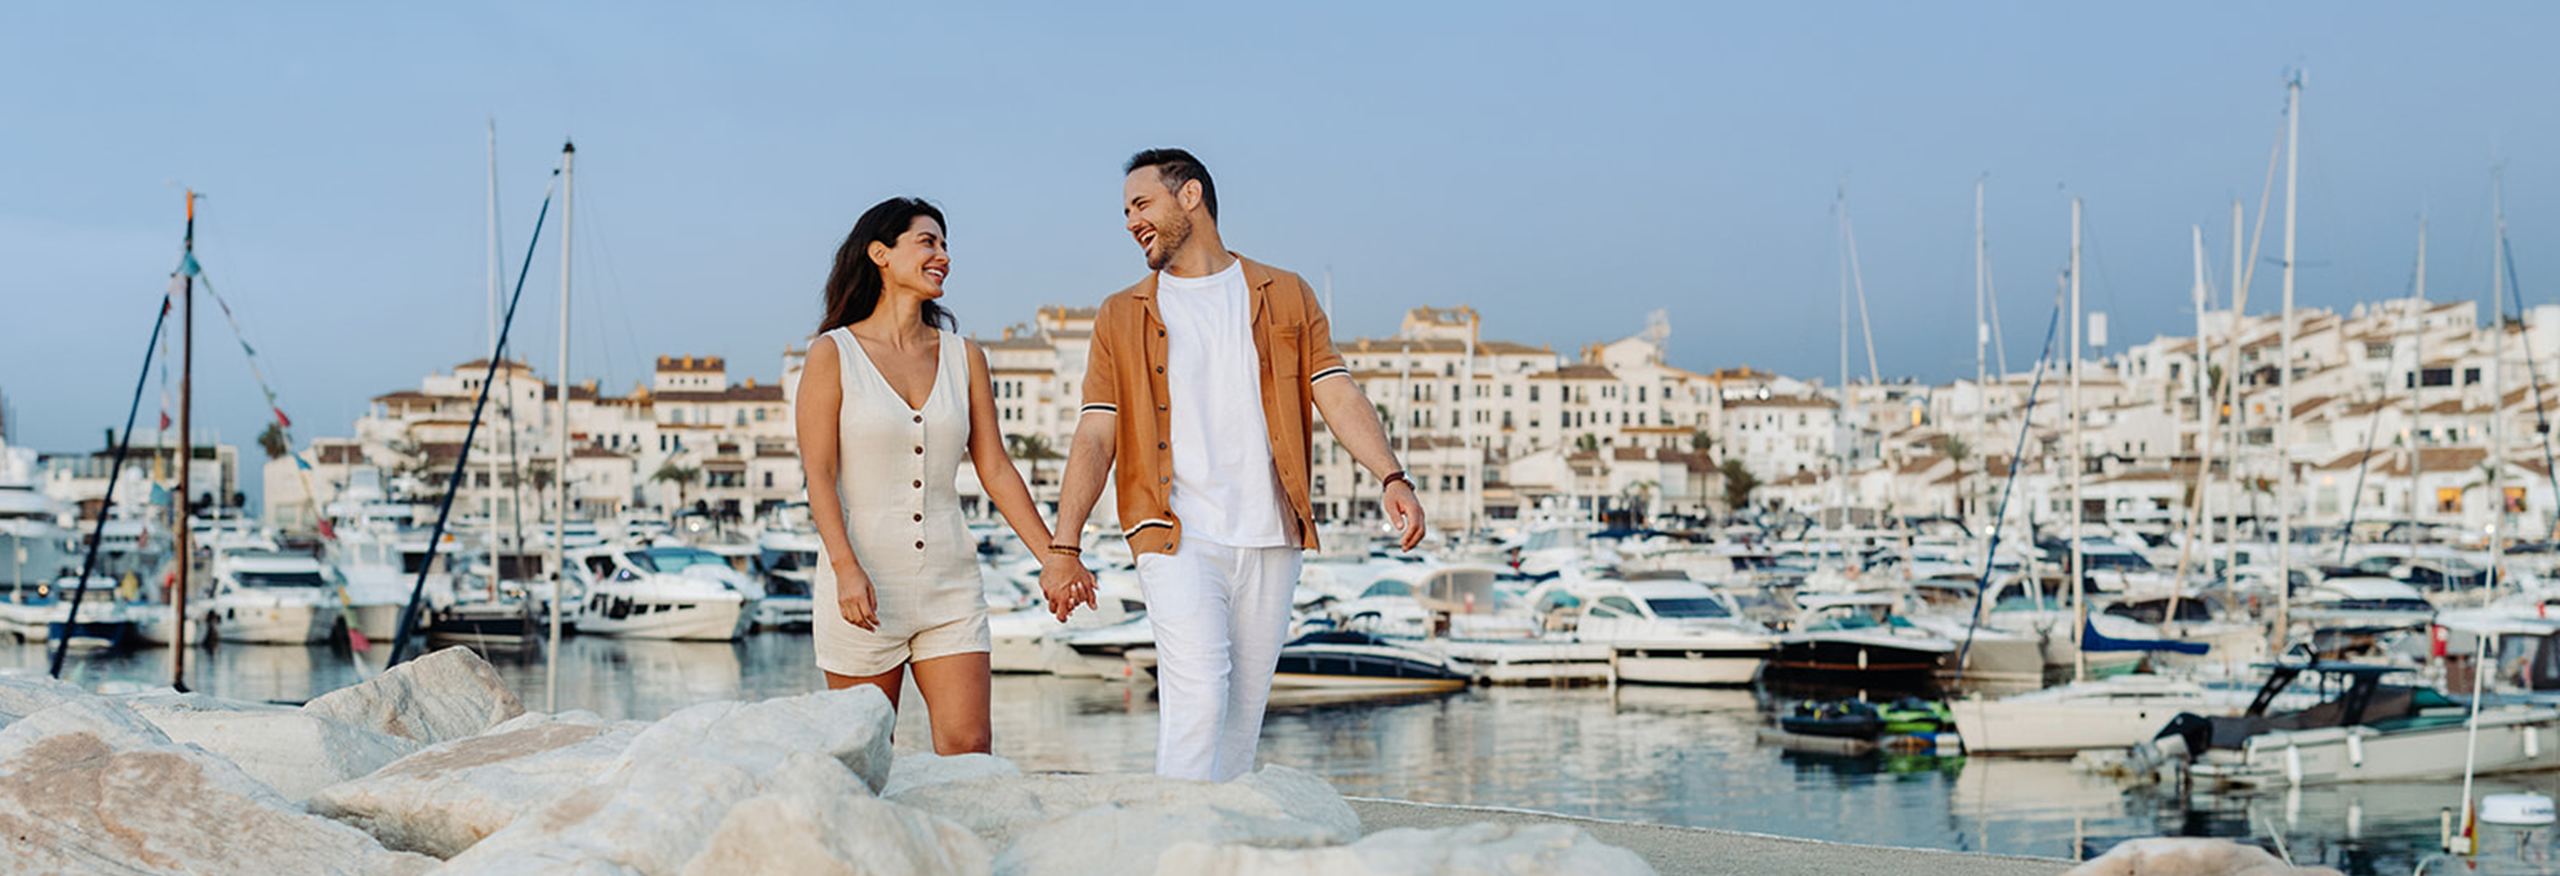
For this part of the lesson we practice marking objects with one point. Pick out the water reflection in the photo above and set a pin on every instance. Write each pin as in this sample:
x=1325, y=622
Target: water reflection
x=1668, y=755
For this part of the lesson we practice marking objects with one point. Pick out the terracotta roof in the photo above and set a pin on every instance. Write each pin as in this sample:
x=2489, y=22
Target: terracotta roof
x=691, y=364
x=763, y=393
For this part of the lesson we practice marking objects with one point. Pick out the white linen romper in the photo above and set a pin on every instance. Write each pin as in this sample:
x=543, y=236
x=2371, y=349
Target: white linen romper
x=897, y=471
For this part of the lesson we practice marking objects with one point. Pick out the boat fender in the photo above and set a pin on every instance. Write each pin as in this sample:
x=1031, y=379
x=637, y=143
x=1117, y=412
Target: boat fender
x=2532, y=742
x=2355, y=750
x=2293, y=763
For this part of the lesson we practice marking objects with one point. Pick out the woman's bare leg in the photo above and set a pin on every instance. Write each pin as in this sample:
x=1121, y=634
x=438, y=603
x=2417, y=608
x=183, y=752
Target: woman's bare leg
x=888, y=682
x=956, y=699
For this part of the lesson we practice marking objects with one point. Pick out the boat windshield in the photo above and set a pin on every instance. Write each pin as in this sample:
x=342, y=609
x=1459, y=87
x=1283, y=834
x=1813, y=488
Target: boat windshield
x=1692, y=607
x=281, y=579
x=675, y=559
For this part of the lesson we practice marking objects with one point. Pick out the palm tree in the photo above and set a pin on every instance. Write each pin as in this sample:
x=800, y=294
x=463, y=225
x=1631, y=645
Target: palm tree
x=1588, y=443
x=1033, y=447
x=682, y=476
x=1701, y=442
x=1958, y=451
x=1738, y=484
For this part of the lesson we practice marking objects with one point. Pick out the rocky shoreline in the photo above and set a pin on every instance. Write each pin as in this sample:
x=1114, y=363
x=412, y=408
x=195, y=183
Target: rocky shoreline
x=436, y=767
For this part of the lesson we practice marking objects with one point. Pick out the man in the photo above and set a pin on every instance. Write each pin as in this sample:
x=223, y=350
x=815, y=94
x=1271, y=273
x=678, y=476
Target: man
x=1196, y=396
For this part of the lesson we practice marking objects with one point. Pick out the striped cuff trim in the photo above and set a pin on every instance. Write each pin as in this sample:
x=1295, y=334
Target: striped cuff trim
x=1100, y=408
x=1143, y=524
x=1335, y=371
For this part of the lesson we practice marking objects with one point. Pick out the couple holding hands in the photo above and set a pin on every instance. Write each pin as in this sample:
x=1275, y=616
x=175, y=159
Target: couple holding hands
x=1197, y=397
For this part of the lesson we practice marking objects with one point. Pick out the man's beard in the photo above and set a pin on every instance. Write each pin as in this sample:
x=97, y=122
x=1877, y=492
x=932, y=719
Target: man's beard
x=1169, y=238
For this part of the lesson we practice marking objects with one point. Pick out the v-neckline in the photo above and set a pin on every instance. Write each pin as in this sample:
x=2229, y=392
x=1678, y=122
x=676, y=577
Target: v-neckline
x=932, y=386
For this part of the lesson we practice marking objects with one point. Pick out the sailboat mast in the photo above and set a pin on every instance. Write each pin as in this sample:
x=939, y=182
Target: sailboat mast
x=2284, y=368
x=489, y=496
x=2417, y=379
x=1840, y=410
x=186, y=453
x=1981, y=338
x=2231, y=391
x=560, y=428
x=2205, y=423
x=2079, y=574
x=2497, y=458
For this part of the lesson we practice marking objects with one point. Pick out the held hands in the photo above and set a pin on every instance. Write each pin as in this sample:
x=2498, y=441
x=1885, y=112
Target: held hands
x=1065, y=582
x=855, y=598
x=1404, y=513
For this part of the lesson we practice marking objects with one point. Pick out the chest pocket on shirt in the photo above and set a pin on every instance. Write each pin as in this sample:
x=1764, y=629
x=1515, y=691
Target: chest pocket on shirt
x=1285, y=353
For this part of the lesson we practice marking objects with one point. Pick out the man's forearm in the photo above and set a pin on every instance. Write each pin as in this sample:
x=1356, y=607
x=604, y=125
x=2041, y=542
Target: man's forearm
x=1089, y=457
x=1354, y=422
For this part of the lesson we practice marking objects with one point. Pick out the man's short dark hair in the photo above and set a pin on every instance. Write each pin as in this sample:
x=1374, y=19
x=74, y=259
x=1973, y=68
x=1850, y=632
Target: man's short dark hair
x=1177, y=167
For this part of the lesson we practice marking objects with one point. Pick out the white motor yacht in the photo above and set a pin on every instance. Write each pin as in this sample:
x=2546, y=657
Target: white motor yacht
x=787, y=554
x=661, y=592
x=1674, y=632
x=271, y=597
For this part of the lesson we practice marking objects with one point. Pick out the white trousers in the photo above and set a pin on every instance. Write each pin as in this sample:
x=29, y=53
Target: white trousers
x=1220, y=615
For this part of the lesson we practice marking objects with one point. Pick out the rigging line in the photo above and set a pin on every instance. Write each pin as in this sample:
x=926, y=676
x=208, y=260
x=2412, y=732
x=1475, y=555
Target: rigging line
x=1999, y=521
x=462, y=461
x=124, y=444
x=2541, y=418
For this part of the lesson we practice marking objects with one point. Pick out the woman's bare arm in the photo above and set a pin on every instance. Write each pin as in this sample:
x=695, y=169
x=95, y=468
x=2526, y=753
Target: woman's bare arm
x=815, y=414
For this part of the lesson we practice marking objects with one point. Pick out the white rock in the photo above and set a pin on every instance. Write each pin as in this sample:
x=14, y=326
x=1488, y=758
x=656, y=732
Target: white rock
x=293, y=751
x=89, y=786
x=446, y=797
x=26, y=694
x=449, y=694
x=1109, y=840
x=918, y=769
x=817, y=822
x=2190, y=856
x=850, y=725
x=673, y=788
x=662, y=818
x=1003, y=808
x=1483, y=849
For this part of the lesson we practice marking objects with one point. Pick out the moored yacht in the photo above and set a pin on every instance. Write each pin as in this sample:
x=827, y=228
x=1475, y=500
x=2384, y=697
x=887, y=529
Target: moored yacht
x=1860, y=639
x=1675, y=632
x=661, y=592
x=271, y=597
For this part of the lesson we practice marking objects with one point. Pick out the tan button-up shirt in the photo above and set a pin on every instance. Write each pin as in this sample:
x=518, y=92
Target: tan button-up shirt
x=1124, y=375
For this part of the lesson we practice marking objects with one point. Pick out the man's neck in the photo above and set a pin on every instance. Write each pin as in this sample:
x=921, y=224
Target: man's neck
x=1204, y=255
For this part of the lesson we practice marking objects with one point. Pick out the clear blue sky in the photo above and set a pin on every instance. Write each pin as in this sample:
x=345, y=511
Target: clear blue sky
x=1565, y=167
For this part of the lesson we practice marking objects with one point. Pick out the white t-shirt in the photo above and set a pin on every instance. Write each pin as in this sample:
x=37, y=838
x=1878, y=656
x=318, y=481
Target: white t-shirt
x=1224, y=487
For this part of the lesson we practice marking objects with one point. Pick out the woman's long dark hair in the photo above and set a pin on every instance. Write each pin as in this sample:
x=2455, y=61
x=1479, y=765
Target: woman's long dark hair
x=853, y=288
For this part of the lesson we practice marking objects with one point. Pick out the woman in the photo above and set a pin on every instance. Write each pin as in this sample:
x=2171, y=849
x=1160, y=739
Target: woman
x=889, y=402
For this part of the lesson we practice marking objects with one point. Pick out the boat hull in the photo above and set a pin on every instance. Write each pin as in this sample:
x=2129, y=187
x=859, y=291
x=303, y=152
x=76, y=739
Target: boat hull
x=2062, y=728
x=695, y=620
x=2510, y=740
x=288, y=624
x=1690, y=667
